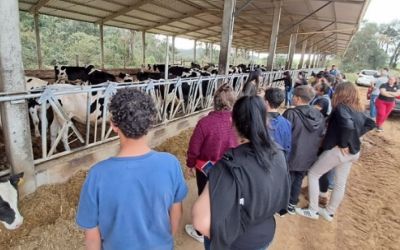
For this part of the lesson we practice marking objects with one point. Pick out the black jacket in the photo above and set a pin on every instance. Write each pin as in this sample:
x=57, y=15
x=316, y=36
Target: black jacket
x=345, y=128
x=308, y=126
x=238, y=179
x=287, y=80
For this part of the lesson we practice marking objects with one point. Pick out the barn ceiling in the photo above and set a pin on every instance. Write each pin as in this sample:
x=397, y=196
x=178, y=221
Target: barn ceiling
x=336, y=20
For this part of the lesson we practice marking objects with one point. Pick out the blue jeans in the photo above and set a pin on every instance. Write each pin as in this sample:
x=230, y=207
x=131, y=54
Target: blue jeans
x=288, y=97
x=372, y=107
x=296, y=179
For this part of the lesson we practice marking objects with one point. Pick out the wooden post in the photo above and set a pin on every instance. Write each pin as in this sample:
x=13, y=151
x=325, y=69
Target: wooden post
x=166, y=57
x=144, y=48
x=226, y=36
x=38, y=45
x=173, y=51
x=102, y=45
x=14, y=115
x=194, y=50
x=274, y=36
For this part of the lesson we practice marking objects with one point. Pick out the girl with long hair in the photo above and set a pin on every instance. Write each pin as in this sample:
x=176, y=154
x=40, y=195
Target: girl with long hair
x=252, y=84
x=341, y=147
x=246, y=187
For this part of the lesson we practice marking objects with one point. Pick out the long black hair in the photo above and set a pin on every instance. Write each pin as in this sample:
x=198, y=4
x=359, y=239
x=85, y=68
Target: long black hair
x=249, y=116
x=249, y=88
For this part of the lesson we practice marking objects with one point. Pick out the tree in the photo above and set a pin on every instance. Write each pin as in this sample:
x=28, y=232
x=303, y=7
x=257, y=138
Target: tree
x=365, y=51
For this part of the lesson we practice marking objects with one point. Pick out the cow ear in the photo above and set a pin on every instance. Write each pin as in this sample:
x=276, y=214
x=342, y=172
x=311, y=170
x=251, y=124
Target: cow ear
x=16, y=179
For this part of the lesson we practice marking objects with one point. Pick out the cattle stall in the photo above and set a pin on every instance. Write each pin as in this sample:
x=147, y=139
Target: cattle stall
x=81, y=112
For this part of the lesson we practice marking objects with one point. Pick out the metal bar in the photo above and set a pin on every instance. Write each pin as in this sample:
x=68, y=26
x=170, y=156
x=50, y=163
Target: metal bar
x=144, y=48
x=173, y=51
x=194, y=50
x=166, y=58
x=43, y=133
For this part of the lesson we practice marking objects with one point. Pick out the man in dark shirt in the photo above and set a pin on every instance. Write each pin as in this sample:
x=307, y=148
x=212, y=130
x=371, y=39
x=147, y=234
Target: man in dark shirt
x=322, y=102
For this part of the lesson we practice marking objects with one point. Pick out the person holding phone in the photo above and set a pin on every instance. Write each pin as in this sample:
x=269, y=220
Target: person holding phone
x=212, y=136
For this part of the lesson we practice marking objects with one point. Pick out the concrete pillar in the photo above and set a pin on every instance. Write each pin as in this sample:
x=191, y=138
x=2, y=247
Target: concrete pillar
x=308, y=63
x=102, y=45
x=228, y=20
x=38, y=46
x=274, y=36
x=211, y=52
x=173, y=51
x=194, y=51
x=303, y=52
x=166, y=58
x=144, y=47
x=314, y=59
x=16, y=129
x=235, y=56
x=292, y=48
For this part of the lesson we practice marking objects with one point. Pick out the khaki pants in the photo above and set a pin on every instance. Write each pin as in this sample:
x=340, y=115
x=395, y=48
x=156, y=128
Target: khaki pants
x=330, y=159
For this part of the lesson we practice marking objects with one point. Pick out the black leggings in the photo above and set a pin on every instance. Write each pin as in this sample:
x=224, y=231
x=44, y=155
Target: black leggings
x=324, y=183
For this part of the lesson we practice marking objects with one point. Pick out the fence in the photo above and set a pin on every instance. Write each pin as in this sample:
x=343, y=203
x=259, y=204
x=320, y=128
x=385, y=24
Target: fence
x=87, y=125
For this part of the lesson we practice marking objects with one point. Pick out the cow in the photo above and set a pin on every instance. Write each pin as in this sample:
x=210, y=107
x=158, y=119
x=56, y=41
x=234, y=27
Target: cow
x=194, y=65
x=125, y=77
x=32, y=84
x=71, y=74
x=75, y=106
x=9, y=213
x=87, y=75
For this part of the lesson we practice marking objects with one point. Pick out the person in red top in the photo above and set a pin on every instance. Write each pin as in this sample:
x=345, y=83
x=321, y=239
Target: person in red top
x=212, y=137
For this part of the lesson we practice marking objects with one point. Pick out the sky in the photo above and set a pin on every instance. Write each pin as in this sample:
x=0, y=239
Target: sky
x=379, y=11
x=383, y=11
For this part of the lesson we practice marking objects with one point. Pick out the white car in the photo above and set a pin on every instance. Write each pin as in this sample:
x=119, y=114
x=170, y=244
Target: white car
x=365, y=77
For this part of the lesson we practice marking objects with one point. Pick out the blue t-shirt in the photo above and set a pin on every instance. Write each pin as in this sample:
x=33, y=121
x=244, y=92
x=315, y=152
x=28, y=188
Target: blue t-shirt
x=128, y=199
x=280, y=130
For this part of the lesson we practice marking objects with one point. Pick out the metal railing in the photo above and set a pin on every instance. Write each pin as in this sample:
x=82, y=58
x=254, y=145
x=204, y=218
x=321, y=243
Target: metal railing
x=174, y=99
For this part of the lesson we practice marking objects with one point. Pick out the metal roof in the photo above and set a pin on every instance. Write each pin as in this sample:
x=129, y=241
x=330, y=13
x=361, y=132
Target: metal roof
x=202, y=19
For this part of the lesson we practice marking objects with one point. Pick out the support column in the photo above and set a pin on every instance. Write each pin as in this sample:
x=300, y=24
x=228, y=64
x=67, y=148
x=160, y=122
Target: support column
x=173, y=51
x=323, y=62
x=144, y=48
x=303, y=52
x=314, y=59
x=308, y=63
x=102, y=45
x=166, y=58
x=194, y=51
x=274, y=36
x=14, y=115
x=228, y=20
x=38, y=45
x=211, y=52
x=235, y=56
x=292, y=48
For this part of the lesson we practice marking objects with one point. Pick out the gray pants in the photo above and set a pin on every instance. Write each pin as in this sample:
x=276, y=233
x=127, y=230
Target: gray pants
x=330, y=159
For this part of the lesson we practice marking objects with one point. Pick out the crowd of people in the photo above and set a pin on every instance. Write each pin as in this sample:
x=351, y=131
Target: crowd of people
x=249, y=161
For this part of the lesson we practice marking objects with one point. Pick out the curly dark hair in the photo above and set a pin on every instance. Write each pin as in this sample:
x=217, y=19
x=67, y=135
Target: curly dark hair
x=133, y=112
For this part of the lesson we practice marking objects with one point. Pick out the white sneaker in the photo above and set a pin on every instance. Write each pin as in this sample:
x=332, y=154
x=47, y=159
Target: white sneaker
x=193, y=233
x=307, y=212
x=325, y=214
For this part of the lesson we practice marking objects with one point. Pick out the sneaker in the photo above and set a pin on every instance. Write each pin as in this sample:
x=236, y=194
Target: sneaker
x=325, y=214
x=291, y=209
x=378, y=129
x=309, y=213
x=193, y=233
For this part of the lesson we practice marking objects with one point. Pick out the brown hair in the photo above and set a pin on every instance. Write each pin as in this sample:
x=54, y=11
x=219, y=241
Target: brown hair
x=224, y=98
x=347, y=94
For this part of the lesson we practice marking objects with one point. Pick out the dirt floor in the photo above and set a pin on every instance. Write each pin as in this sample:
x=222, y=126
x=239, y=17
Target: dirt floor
x=367, y=219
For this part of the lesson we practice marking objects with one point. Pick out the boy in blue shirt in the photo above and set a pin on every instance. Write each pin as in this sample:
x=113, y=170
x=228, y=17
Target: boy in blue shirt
x=133, y=200
x=279, y=127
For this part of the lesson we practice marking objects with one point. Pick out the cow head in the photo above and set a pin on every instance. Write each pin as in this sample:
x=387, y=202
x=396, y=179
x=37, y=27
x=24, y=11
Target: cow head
x=89, y=69
x=61, y=73
x=9, y=213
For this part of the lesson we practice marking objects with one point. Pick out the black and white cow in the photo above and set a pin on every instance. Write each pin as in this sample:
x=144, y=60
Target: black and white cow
x=9, y=213
x=32, y=84
x=81, y=75
x=125, y=77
